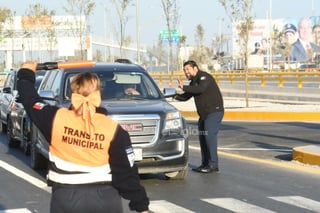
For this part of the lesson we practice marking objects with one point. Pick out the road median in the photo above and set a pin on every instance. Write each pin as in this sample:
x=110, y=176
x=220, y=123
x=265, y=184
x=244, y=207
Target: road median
x=261, y=116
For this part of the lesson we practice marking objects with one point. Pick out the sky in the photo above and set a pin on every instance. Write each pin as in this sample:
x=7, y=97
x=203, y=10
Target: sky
x=209, y=13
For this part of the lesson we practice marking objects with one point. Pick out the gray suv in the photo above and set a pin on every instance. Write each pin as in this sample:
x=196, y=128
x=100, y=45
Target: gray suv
x=156, y=128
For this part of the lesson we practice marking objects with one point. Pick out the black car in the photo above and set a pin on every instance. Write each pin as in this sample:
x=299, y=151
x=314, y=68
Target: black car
x=6, y=96
x=15, y=122
x=156, y=128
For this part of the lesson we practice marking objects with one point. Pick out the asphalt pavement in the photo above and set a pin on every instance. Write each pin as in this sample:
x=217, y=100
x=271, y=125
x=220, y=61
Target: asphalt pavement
x=266, y=110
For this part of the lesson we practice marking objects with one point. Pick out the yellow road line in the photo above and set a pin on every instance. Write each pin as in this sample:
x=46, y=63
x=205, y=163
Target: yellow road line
x=288, y=165
x=262, y=116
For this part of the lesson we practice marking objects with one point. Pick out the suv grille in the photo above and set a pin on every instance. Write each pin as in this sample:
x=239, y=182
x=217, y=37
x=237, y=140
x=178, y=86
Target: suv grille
x=143, y=129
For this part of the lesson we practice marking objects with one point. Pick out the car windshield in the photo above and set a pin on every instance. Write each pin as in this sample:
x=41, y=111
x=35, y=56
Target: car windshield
x=122, y=86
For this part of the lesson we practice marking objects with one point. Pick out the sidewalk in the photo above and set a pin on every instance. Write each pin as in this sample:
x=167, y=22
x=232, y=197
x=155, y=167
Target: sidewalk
x=235, y=109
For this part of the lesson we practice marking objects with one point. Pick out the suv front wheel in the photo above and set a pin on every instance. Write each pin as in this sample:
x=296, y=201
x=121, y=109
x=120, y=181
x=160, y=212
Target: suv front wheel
x=12, y=143
x=3, y=127
x=37, y=161
x=25, y=143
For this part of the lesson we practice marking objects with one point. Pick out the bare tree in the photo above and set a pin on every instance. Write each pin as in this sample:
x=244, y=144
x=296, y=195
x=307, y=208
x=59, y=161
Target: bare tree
x=98, y=56
x=80, y=10
x=199, y=36
x=200, y=53
x=121, y=9
x=52, y=38
x=39, y=23
x=239, y=13
x=11, y=34
x=170, y=10
x=182, y=43
x=5, y=13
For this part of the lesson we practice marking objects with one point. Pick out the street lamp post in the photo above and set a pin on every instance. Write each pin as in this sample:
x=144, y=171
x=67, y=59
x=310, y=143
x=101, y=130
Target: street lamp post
x=105, y=30
x=138, y=30
x=271, y=39
x=312, y=7
x=220, y=34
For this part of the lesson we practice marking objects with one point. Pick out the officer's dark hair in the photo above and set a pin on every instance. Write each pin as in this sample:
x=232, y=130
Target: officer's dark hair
x=190, y=63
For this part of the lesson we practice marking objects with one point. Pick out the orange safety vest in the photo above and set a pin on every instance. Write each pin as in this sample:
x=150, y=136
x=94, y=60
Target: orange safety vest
x=72, y=149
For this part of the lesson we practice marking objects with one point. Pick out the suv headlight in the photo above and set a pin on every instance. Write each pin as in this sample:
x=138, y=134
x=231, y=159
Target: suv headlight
x=173, y=121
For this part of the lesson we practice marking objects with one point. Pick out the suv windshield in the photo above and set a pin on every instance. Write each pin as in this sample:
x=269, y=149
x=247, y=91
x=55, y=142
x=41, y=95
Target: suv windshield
x=121, y=85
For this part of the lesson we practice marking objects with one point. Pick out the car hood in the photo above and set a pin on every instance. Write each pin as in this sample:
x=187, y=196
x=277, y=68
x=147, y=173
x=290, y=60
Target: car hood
x=137, y=107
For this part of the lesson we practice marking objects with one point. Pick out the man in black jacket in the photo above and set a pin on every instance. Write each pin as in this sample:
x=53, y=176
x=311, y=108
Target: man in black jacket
x=209, y=104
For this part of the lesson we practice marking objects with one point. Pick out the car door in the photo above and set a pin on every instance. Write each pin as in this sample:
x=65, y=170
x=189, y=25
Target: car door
x=6, y=97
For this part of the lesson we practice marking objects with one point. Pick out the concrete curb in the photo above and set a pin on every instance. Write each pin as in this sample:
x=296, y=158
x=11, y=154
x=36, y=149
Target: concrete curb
x=305, y=154
x=261, y=116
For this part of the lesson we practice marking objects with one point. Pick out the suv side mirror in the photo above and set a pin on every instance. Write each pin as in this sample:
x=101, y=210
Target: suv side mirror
x=15, y=96
x=169, y=92
x=6, y=90
x=47, y=95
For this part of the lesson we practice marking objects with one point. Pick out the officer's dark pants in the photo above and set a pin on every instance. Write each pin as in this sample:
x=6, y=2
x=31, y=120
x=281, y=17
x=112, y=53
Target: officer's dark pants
x=85, y=199
x=208, y=137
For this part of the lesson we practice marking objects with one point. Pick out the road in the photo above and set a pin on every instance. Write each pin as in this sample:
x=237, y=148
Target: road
x=246, y=183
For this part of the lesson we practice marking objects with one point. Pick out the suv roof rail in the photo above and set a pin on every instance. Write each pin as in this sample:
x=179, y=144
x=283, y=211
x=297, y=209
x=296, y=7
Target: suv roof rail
x=123, y=61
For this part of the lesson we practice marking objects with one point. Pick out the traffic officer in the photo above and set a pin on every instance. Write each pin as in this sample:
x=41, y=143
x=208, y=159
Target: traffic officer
x=209, y=103
x=91, y=157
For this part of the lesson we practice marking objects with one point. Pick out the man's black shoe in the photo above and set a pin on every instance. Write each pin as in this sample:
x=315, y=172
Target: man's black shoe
x=205, y=169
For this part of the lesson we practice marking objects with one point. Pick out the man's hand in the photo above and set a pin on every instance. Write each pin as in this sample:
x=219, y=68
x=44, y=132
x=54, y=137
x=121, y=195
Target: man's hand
x=31, y=65
x=180, y=83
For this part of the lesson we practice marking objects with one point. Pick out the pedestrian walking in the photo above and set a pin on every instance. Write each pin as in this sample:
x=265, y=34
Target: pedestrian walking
x=209, y=103
x=91, y=160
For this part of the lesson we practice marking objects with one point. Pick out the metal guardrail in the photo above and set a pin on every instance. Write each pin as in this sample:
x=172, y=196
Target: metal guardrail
x=300, y=77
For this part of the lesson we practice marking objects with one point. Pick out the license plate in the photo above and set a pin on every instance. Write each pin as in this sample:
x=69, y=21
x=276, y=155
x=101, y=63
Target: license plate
x=137, y=154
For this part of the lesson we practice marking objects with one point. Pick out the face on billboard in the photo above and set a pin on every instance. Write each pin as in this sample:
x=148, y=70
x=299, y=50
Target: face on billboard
x=305, y=29
x=286, y=31
x=316, y=34
x=290, y=37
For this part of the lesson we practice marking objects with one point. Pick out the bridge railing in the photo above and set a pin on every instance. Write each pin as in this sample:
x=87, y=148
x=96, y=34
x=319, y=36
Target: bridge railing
x=299, y=77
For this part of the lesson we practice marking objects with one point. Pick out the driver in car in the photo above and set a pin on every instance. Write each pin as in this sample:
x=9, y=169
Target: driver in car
x=130, y=89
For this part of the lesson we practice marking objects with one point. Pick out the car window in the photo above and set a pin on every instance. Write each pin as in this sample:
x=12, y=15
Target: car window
x=9, y=81
x=38, y=82
x=52, y=82
x=128, y=85
x=114, y=85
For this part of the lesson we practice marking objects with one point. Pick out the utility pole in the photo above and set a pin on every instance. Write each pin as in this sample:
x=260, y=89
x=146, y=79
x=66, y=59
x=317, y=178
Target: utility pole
x=138, y=30
x=220, y=34
x=312, y=7
x=105, y=30
x=270, y=56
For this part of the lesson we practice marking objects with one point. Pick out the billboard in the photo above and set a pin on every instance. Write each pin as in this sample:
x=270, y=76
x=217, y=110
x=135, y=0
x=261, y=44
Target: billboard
x=277, y=36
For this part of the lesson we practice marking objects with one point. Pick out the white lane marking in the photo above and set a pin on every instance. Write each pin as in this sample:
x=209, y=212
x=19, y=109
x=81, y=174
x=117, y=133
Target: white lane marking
x=299, y=201
x=194, y=147
x=244, y=149
x=163, y=206
x=15, y=211
x=34, y=181
x=235, y=205
x=254, y=149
